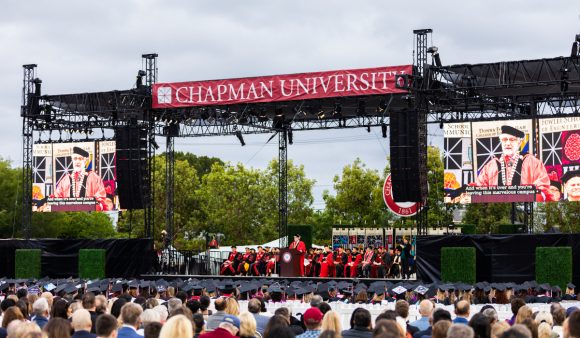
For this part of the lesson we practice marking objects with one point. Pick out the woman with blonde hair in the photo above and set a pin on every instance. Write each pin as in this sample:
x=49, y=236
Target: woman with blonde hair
x=232, y=307
x=525, y=312
x=331, y=321
x=177, y=327
x=248, y=326
x=544, y=330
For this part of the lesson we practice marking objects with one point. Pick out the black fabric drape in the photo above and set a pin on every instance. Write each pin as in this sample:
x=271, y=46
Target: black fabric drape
x=499, y=258
x=124, y=258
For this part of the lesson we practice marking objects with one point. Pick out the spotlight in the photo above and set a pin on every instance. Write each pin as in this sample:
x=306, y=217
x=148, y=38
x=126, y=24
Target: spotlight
x=384, y=130
x=320, y=115
x=337, y=109
x=153, y=143
x=290, y=136
x=139, y=81
x=382, y=106
x=240, y=137
x=575, y=51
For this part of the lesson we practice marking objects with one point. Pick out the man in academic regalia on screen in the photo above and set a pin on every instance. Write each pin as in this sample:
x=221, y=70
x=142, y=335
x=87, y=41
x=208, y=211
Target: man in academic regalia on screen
x=82, y=183
x=300, y=246
x=515, y=168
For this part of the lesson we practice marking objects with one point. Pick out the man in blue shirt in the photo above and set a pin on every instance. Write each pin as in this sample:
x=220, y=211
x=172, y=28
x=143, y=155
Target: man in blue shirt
x=461, y=312
x=313, y=320
x=425, y=309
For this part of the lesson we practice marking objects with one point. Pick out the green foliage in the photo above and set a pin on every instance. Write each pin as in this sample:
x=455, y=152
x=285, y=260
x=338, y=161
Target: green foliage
x=201, y=164
x=27, y=263
x=322, y=222
x=507, y=228
x=72, y=225
x=358, y=200
x=564, y=215
x=438, y=214
x=92, y=263
x=467, y=229
x=458, y=264
x=554, y=265
x=486, y=216
x=305, y=232
x=10, y=199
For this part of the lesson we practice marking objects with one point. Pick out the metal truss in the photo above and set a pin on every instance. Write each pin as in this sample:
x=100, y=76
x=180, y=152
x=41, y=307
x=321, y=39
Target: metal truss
x=30, y=92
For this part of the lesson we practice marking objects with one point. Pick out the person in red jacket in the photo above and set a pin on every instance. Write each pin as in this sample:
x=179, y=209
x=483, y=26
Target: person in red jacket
x=230, y=265
x=300, y=246
x=244, y=265
x=354, y=261
x=327, y=263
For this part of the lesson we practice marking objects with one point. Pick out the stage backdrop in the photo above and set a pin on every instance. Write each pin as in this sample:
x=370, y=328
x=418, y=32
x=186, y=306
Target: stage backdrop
x=125, y=257
x=499, y=258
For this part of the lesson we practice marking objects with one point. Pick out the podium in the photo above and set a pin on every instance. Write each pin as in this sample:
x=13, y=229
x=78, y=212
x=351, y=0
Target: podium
x=289, y=263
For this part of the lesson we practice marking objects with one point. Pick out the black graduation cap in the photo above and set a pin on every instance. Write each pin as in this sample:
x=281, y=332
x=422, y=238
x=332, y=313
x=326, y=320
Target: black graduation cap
x=248, y=286
x=4, y=286
x=498, y=287
x=133, y=284
x=187, y=287
x=95, y=287
x=556, y=288
x=400, y=289
x=71, y=289
x=61, y=287
x=275, y=288
x=421, y=289
x=544, y=287
x=571, y=286
x=118, y=287
x=512, y=131
x=569, y=174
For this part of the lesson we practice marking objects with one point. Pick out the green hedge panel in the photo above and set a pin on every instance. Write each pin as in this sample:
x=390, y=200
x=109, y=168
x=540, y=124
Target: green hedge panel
x=554, y=265
x=27, y=263
x=507, y=228
x=458, y=264
x=468, y=229
x=92, y=263
x=305, y=232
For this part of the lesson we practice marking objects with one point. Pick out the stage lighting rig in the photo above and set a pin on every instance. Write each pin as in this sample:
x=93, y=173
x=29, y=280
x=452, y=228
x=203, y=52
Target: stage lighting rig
x=139, y=81
x=434, y=51
x=290, y=136
x=384, y=129
x=575, y=47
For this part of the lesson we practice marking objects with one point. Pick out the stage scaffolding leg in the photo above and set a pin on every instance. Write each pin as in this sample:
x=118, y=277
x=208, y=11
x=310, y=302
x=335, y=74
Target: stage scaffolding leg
x=169, y=187
x=27, y=131
x=150, y=63
x=283, y=187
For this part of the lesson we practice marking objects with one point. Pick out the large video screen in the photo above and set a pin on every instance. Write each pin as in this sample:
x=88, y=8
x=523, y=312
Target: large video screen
x=512, y=161
x=77, y=176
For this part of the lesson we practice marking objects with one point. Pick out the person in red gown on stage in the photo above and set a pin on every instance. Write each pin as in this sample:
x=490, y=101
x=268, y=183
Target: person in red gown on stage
x=327, y=263
x=300, y=246
x=244, y=266
x=231, y=264
x=354, y=261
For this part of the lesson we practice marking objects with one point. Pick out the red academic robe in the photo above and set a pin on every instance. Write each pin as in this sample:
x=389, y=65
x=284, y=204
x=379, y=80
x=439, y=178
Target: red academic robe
x=93, y=187
x=300, y=246
x=326, y=264
x=533, y=172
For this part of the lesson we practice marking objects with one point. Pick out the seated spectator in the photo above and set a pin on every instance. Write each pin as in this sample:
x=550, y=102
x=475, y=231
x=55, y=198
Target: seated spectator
x=148, y=316
x=461, y=312
x=247, y=325
x=11, y=314
x=361, y=325
x=312, y=320
x=176, y=327
x=491, y=314
x=517, y=331
x=331, y=322
x=214, y=320
x=81, y=323
x=499, y=328
x=58, y=328
x=440, y=329
x=523, y=313
x=559, y=315
x=480, y=325
x=198, y=324
x=228, y=328
x=152, y=330
x=438, y=315
x=274, y=322
x=425, y=310
x=516, y=304
x=60, y=308
x=387, y=328
x=106, y=326
x=131, y=319
x=254, y=307
x=460, y=331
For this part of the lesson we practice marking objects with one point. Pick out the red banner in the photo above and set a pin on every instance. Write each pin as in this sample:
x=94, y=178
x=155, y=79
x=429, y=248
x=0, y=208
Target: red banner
x=304, y=86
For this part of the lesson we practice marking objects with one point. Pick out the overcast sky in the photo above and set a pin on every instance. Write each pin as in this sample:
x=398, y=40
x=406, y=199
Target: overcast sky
x=82, y=46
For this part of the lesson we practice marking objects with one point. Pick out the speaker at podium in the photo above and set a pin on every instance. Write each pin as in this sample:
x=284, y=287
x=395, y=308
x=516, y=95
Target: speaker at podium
x=290, y=262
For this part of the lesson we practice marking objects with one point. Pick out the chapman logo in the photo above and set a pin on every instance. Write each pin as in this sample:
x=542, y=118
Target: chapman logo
x=164, y=95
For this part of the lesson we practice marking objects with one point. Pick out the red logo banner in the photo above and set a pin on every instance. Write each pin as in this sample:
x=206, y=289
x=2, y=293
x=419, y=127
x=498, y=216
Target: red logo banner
x=304, y=86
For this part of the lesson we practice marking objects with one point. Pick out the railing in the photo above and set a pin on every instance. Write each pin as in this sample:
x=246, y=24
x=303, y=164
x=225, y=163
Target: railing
x=187, y=262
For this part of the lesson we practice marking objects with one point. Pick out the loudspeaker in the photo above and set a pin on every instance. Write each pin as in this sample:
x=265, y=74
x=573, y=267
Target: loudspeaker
x=408, y=156
x=133, y=186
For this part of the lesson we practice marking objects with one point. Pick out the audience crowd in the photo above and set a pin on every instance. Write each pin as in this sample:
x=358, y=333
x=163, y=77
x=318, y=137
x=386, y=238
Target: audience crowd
x=191, y=309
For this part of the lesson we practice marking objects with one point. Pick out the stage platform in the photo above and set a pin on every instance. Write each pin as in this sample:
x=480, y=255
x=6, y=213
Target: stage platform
x=367, y=281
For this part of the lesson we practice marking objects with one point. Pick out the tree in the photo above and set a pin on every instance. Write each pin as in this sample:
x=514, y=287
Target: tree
x=358, y=196
x=201, y=164
x=235, y=203
x=10, y=200
x=438, y=214
x=485, y=216
x=300, y=197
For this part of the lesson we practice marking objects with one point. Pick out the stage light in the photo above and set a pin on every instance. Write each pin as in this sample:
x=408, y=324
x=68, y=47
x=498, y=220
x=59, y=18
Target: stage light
x=153, y=143
x=434, y=51
x=368, y=128
x=320, y=115
x=290, y=137
x=382, y=106
x=575, y=49
x=337, y=110
x=139, y=81
x=240, y=137
x=384, y=130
